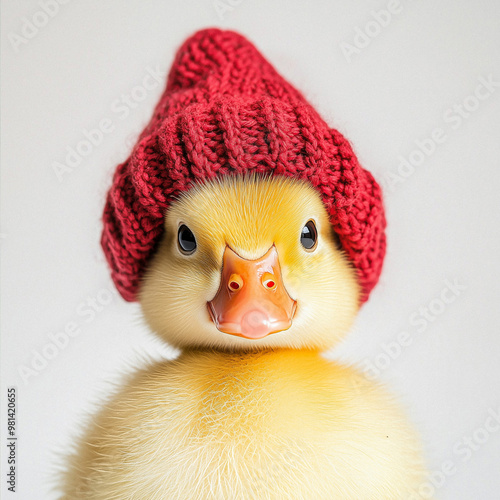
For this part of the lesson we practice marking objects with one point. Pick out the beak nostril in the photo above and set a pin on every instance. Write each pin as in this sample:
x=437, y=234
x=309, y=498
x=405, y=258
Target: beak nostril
x=269, y=281
x=235, y=282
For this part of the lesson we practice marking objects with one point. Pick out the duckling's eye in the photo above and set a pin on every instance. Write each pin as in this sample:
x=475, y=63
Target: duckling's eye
x=186, y=240
x=309, y=236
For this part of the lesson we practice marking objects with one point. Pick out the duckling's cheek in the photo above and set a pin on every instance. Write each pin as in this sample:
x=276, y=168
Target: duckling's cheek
x=303, y=271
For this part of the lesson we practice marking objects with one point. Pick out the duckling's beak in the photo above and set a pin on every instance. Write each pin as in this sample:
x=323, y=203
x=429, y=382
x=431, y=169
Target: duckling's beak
x=252, y=301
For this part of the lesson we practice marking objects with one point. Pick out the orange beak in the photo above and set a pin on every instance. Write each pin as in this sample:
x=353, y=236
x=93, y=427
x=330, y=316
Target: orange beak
x=252, y=301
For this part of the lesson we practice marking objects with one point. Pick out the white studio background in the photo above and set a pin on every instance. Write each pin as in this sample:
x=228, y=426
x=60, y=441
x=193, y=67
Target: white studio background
x=421, y=87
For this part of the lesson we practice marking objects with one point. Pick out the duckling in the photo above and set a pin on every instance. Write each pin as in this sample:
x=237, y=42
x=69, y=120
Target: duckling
x=250, y=235
x=250, y=409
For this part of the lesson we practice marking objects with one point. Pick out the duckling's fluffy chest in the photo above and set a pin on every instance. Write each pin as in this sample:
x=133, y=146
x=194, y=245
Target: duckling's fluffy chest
x=283, y=424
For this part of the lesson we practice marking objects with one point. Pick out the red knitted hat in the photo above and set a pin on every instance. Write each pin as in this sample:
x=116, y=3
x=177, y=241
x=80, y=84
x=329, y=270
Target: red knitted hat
x=226, y=110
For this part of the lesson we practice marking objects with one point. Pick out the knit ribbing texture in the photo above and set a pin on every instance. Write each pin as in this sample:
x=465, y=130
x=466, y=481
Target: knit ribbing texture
x=226, y=111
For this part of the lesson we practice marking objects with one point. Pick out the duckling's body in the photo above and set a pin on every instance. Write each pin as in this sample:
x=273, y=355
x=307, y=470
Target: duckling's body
x=283, y=424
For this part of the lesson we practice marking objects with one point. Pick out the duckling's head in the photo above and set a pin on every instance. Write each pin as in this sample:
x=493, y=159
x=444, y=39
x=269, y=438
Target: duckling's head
x=248, y=263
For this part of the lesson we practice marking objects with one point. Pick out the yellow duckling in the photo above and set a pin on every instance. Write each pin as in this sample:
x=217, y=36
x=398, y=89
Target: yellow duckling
x=250, y=235
x=250, y=283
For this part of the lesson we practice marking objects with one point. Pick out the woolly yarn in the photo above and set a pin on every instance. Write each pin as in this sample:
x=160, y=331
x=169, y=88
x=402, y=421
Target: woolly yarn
x=226, y=111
